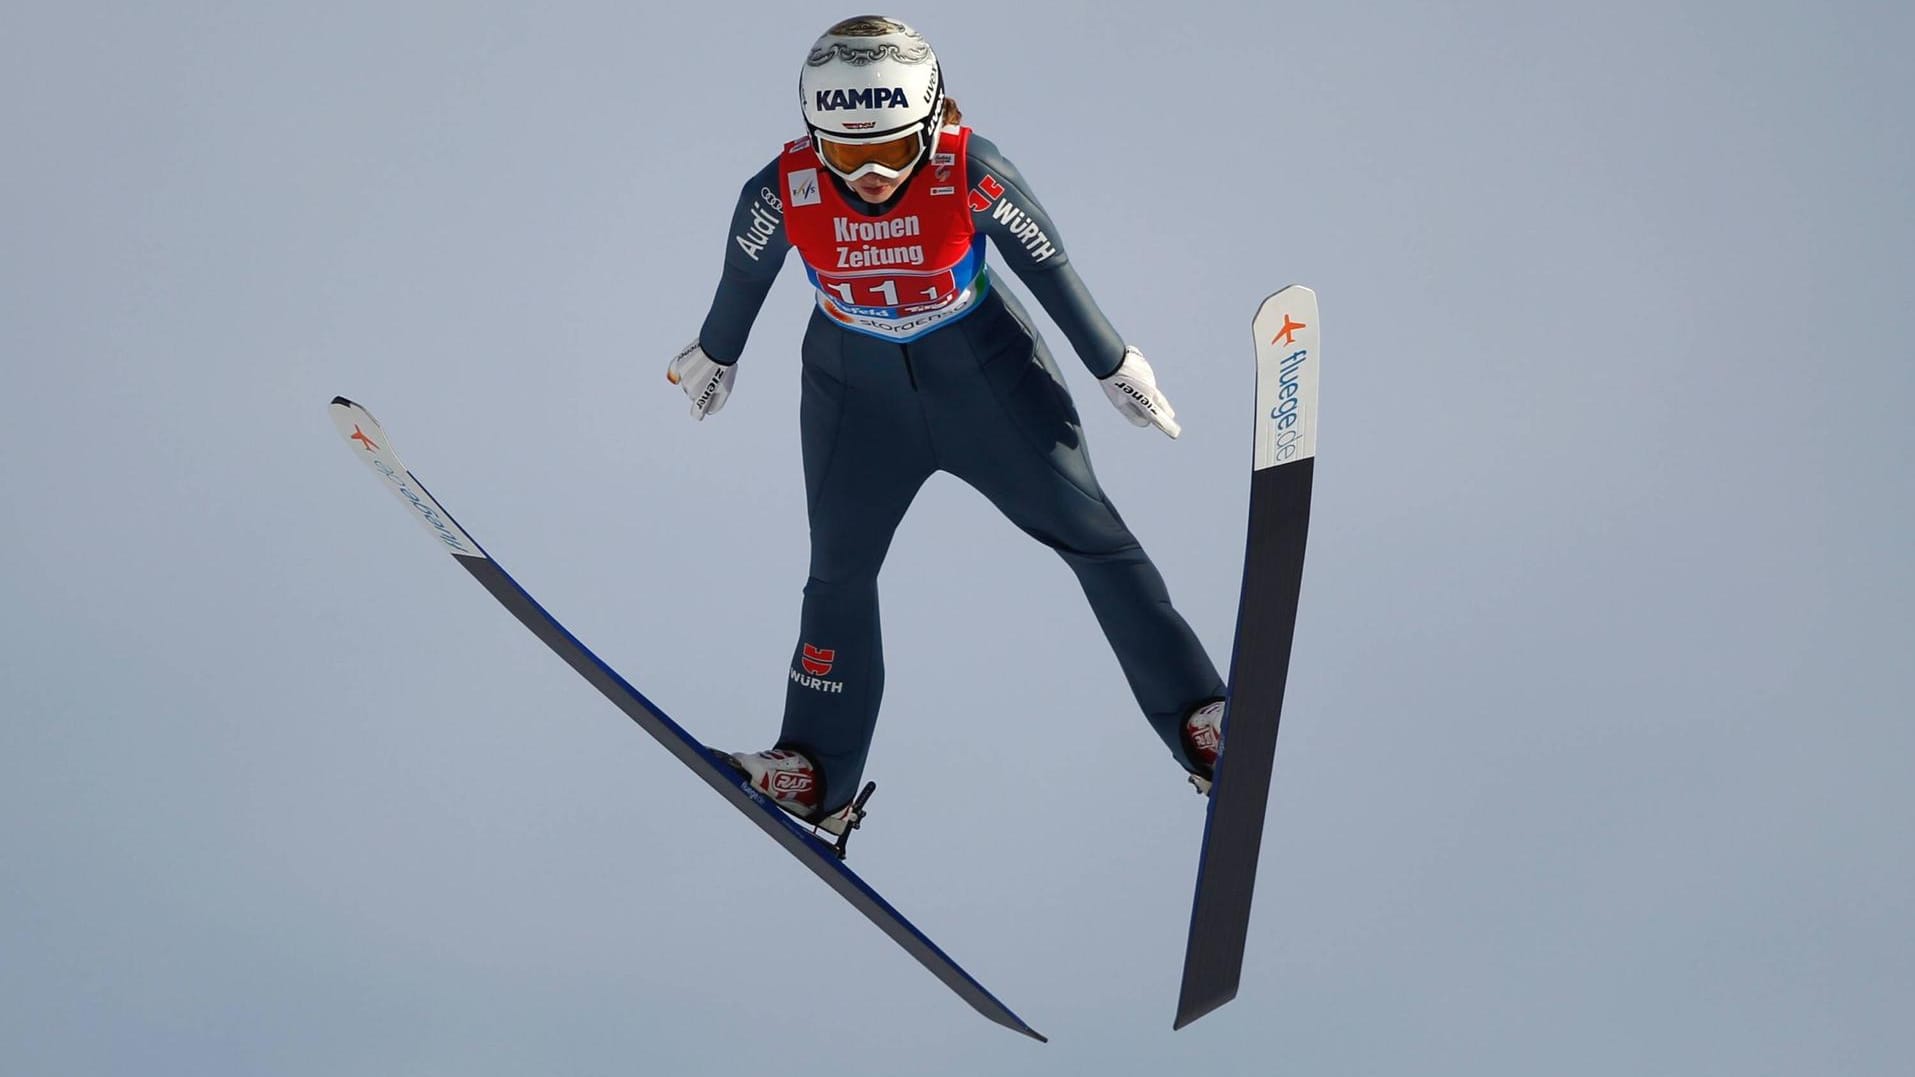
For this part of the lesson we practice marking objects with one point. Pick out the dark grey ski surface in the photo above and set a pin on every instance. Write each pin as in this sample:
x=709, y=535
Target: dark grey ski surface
x=360, y=429
x=1284, y=468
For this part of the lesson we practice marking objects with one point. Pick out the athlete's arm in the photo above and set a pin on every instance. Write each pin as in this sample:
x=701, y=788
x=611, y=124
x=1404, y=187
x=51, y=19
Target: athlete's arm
x=754, y=252
x=1003, y=208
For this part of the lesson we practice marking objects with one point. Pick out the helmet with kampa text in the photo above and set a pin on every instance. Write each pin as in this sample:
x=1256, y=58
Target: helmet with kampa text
x=873, y=97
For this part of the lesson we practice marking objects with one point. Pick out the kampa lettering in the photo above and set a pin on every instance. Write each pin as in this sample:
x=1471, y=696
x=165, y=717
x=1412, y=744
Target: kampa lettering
x=863, y=97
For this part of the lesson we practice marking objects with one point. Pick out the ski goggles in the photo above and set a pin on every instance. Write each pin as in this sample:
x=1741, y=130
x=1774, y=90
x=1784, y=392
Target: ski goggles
x=856, y=160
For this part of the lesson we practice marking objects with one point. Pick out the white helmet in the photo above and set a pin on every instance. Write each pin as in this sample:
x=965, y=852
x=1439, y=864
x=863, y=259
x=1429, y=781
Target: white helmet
x=873, y=97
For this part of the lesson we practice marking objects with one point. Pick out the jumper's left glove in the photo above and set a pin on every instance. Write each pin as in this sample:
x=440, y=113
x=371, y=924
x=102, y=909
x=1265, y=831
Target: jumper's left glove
x=1132, y=388
x=706, y=380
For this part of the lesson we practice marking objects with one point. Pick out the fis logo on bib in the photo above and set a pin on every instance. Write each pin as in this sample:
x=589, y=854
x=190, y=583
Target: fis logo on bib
x=803, y=186
x=864, y=97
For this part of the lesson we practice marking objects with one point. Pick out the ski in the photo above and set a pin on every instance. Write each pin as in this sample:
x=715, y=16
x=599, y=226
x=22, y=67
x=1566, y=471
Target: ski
x=1283, y=464
x=371, y=444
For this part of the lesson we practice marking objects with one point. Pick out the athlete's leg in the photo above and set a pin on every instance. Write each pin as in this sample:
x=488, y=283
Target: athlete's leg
x=1019, y=443
x=865, y=456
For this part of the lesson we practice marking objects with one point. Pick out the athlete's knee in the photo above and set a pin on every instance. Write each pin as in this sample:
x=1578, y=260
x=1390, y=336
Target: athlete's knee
x=845, y=564
x=1090, y=538
x=847, y=557
x=1118, y=558
x=857, y=588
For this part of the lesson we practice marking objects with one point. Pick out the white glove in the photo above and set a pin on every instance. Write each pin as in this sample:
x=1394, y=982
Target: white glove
x=706, y=380
x=1132, y=387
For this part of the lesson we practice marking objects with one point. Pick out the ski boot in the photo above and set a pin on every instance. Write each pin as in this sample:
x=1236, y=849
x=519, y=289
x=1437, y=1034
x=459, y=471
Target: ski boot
x=1203, y=736
x=789, y=780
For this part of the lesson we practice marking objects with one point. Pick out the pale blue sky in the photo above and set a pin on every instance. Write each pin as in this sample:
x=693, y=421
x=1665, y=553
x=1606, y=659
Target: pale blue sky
x=1592, y=762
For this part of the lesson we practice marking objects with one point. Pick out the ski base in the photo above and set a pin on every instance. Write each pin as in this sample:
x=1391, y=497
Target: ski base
x=1284, y=467
x=369, y=440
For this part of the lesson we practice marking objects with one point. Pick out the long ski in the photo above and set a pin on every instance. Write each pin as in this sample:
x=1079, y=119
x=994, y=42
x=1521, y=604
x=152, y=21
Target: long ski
x=1283, y=465
x=370, y=442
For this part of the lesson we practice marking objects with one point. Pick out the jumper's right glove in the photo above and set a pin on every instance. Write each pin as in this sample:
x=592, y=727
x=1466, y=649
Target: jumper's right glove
x=705, y=380
x=1132, y=388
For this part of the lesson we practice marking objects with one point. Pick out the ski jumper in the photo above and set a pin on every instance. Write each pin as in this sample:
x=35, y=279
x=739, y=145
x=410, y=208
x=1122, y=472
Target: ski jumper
x=914, y=362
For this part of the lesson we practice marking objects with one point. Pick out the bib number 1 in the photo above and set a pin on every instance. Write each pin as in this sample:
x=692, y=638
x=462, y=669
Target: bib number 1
x=890, y=290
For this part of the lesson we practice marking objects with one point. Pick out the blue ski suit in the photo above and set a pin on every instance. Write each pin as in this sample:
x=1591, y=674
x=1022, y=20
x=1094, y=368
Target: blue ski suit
x=976, y=395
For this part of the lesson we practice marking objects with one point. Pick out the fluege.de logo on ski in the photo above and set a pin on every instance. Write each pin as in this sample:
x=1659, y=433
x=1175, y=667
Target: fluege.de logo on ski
x=1287, y=413
x=449, y=535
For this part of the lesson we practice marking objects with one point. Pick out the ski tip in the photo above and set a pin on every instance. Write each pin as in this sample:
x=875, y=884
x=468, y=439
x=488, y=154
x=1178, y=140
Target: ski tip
x=344, y=404
x=1294, y=299
x=342, y=408
x=1018, y=1026
x=356, y=424
x=1293, y=291
x=1286, y=336
x=1286, y=311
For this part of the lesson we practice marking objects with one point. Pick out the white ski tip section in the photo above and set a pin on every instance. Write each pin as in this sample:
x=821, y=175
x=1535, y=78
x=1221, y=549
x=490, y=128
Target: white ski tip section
x=1286, y=330
x=370, y=443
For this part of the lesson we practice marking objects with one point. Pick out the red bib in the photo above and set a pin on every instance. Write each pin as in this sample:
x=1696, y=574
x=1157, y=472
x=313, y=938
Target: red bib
x=896, y=276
